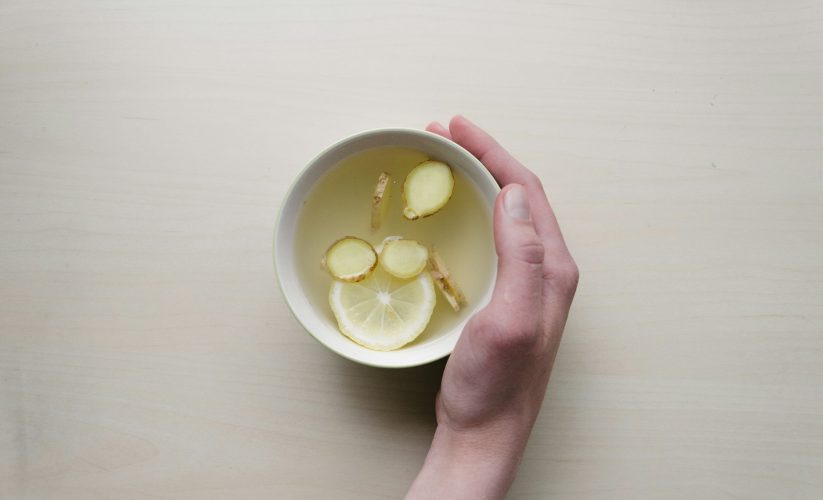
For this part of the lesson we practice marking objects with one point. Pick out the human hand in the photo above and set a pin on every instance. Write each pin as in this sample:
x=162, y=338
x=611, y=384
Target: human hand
x=495, y=380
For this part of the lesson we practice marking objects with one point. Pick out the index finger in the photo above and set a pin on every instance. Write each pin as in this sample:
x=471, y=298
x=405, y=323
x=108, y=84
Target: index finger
x=507, y=170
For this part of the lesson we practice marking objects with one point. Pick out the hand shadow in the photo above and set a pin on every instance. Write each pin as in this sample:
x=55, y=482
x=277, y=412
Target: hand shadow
x=394, y=399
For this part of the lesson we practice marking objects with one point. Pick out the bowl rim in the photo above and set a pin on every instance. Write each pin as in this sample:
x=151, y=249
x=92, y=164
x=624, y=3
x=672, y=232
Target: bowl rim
x=290, y=190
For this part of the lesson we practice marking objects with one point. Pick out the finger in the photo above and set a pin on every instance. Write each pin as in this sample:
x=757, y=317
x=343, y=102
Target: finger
x=507, y=170
x=520, y=253
x=436, y=128
x=478, y=142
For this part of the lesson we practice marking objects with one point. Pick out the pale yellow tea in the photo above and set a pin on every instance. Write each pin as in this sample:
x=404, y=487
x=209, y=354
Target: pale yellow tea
x=341, y=204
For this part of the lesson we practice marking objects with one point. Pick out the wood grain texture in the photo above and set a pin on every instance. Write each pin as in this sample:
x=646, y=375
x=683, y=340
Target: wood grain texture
x=145, y=351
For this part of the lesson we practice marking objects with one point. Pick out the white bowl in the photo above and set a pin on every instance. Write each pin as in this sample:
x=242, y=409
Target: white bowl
x=316, y=322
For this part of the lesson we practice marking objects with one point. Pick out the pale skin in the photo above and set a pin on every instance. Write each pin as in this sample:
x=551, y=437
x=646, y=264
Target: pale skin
x=495, y=380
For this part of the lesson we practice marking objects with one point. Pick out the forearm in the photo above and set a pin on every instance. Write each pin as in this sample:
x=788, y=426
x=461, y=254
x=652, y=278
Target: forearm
x=471, y=465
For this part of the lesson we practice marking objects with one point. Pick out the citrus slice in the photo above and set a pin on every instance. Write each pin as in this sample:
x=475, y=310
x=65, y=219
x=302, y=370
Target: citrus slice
x=383, y=312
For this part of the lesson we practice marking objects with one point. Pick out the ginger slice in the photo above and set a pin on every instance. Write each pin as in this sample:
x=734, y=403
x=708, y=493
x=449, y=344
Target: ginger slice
x=350, y=259
x=403, y=258
x=379, y=247
x=427, y=189
x=445, y=281
x=380, y=200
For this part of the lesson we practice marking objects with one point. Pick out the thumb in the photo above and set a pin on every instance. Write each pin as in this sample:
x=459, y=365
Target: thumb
x=520, y=254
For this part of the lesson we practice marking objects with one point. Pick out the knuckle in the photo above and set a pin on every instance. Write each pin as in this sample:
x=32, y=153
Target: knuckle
x=511, y=334
x=569, y=275
x=531, y=251
x=534, y=180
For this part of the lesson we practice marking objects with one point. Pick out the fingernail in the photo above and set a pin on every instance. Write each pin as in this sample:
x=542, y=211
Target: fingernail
x=516, y=202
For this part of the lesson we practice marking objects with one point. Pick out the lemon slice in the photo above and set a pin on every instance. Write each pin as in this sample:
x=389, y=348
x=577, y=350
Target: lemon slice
x=383, y=312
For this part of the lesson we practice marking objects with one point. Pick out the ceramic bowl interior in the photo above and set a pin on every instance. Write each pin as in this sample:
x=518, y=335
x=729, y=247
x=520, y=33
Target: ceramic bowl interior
x=438, y=344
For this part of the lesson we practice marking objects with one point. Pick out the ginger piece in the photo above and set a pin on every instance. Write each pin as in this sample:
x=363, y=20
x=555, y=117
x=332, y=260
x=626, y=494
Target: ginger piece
x=403, y=258
x=350, y=259
x=427, y=189
x=445, y=281
x=380, y=200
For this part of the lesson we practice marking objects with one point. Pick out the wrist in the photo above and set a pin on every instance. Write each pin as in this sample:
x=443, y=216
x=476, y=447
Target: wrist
x=478, y=463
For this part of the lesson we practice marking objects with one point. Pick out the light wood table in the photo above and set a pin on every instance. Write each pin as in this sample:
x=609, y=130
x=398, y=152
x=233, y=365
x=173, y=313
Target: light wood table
x=146, y=352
